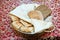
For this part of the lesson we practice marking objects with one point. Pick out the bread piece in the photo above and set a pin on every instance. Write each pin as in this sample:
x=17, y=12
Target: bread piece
x=25, y=23
x=35, y=15
x=16, y=25
x=52, y=28
x=27, y=29
x=13, y=17
x=44, y=10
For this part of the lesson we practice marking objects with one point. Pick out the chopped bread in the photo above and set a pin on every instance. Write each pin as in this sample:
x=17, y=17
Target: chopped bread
x=27, y=29
x=35, y=15
x=44, y=10
x=13, y=17
x=16, y=25
x=25, y=23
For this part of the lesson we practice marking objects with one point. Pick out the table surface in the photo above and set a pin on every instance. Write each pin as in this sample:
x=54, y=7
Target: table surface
x=6, y=31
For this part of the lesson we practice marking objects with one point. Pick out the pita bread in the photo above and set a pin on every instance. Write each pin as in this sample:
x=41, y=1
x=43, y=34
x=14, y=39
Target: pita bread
x=16, y=25
x=44, y=10
x=35, y=15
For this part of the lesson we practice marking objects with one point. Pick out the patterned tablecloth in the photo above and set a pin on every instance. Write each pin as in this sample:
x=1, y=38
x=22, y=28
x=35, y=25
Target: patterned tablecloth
x=7, y=33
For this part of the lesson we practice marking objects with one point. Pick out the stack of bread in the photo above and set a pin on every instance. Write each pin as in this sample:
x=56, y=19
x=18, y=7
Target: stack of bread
x=30, y=18
x=20, y=24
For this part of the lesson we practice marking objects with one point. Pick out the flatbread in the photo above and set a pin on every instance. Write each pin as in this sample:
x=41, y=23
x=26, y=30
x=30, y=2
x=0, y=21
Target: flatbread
x=44, y=10
x=16, y=25
x=27, y=29
x=25, y=23
x=35, y=15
